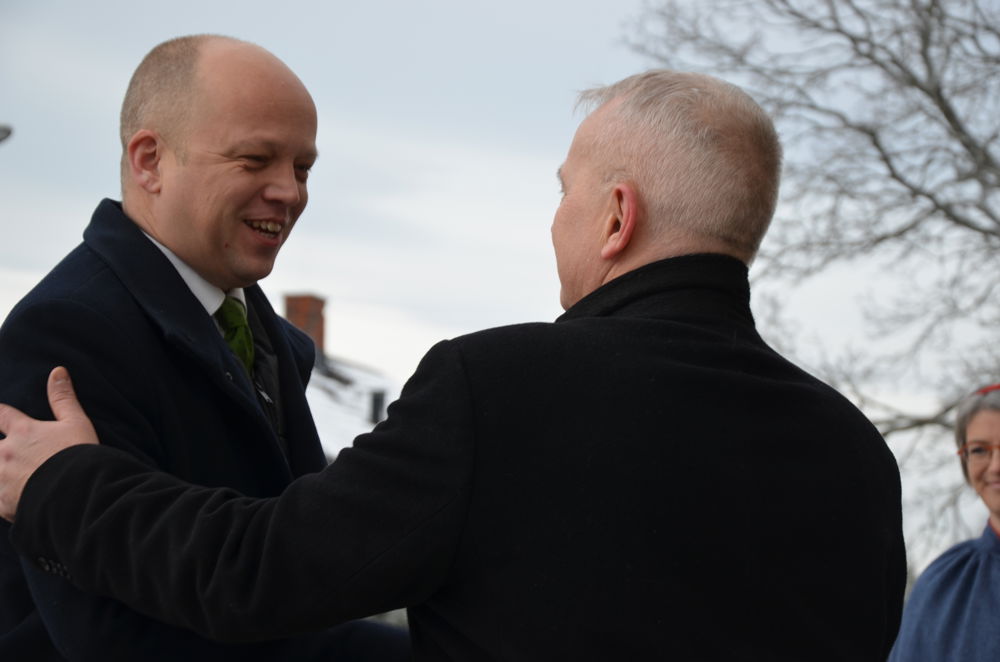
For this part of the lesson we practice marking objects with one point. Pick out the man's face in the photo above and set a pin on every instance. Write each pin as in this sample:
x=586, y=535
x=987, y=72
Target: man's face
x=577, y=226
x=235, y=185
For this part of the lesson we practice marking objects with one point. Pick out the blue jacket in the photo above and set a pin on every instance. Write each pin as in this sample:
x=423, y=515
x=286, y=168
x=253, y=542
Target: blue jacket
x=952, y=611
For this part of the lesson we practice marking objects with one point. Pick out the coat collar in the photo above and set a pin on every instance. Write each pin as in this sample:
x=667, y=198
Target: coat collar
x=701, y=284
x=146, y=273
x=154, y=283
x=162, y=294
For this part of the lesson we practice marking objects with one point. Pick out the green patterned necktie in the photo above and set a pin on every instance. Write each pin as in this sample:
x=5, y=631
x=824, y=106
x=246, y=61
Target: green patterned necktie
x=232, y=317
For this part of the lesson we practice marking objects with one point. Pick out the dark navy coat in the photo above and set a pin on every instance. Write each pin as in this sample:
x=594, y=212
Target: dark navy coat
x=160, y=384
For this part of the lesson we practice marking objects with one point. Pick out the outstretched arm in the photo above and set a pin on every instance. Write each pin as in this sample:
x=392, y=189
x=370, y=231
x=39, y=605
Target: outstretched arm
x=376, y=530
x=30, y=442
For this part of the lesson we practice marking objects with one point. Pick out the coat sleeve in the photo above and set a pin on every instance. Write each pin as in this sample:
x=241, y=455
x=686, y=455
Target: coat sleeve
x=376, y=530
x=106, y=367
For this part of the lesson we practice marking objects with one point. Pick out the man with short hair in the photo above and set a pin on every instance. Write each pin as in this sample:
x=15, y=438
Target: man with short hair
x=642, y=479
x=218, y=137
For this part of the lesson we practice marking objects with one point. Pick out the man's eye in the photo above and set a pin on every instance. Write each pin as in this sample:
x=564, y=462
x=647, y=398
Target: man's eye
x=978, y=450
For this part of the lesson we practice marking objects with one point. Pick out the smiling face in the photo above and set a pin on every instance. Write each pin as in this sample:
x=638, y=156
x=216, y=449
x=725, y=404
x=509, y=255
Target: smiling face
x=231, y=190
x=984, y=473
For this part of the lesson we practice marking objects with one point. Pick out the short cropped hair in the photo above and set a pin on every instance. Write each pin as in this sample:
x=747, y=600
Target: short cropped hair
x=160, y=92
x=705, y=157
x=972, y=405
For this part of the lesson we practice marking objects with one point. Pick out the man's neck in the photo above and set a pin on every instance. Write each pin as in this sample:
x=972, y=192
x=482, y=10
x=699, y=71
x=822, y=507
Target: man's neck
x=208, y=295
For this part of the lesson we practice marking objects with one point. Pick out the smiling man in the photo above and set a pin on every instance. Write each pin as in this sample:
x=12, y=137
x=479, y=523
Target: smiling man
x=222, y=183
x=218, y=137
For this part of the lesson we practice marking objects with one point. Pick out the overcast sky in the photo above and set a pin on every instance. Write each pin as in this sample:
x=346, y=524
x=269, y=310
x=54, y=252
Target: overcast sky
x=442, y=124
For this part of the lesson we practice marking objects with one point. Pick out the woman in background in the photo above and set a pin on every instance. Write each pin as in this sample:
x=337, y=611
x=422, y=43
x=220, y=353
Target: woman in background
x=952, y=611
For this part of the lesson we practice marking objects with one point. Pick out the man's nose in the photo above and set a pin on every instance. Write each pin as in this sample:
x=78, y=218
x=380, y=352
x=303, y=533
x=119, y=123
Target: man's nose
x=284, y=186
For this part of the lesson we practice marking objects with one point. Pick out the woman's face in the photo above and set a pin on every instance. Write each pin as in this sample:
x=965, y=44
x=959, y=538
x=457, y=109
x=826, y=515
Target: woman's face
x=982, y=435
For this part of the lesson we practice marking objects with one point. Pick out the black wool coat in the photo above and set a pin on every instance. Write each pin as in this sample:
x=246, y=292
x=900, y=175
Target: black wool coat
x=642, y=479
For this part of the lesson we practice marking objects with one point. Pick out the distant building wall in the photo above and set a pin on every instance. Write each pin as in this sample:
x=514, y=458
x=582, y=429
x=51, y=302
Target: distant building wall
x=306, y=312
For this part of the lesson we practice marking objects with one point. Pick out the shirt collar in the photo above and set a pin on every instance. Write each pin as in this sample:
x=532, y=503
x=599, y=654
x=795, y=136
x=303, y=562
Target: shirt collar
x=208, y=295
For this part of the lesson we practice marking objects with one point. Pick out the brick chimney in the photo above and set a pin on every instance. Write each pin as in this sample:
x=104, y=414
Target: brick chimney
x=306, y=312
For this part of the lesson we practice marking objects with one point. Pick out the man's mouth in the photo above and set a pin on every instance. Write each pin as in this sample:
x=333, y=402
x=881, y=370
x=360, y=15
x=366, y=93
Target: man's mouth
x=269, y=228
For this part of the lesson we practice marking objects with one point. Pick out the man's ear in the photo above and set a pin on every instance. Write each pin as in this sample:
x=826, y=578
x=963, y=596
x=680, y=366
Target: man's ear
x=622, y=220
x=144, y=153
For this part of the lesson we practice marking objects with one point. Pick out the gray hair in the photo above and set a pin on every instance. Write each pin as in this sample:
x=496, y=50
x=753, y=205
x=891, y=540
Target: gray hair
x=705, y=157
x=972, y=405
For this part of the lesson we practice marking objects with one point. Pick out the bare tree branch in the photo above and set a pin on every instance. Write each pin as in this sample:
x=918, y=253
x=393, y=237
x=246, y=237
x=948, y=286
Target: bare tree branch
x=889, y=114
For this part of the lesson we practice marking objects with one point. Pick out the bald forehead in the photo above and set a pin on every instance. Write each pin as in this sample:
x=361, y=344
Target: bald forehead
x=229, y=54
x=232, y=64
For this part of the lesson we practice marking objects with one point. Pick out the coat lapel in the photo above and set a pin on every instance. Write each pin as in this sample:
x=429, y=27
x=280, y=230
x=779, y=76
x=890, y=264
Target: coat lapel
x=164, y=296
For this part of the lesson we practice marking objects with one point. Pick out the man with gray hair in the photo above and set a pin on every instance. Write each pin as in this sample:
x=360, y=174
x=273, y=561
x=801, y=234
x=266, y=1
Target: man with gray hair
x=642, y=479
